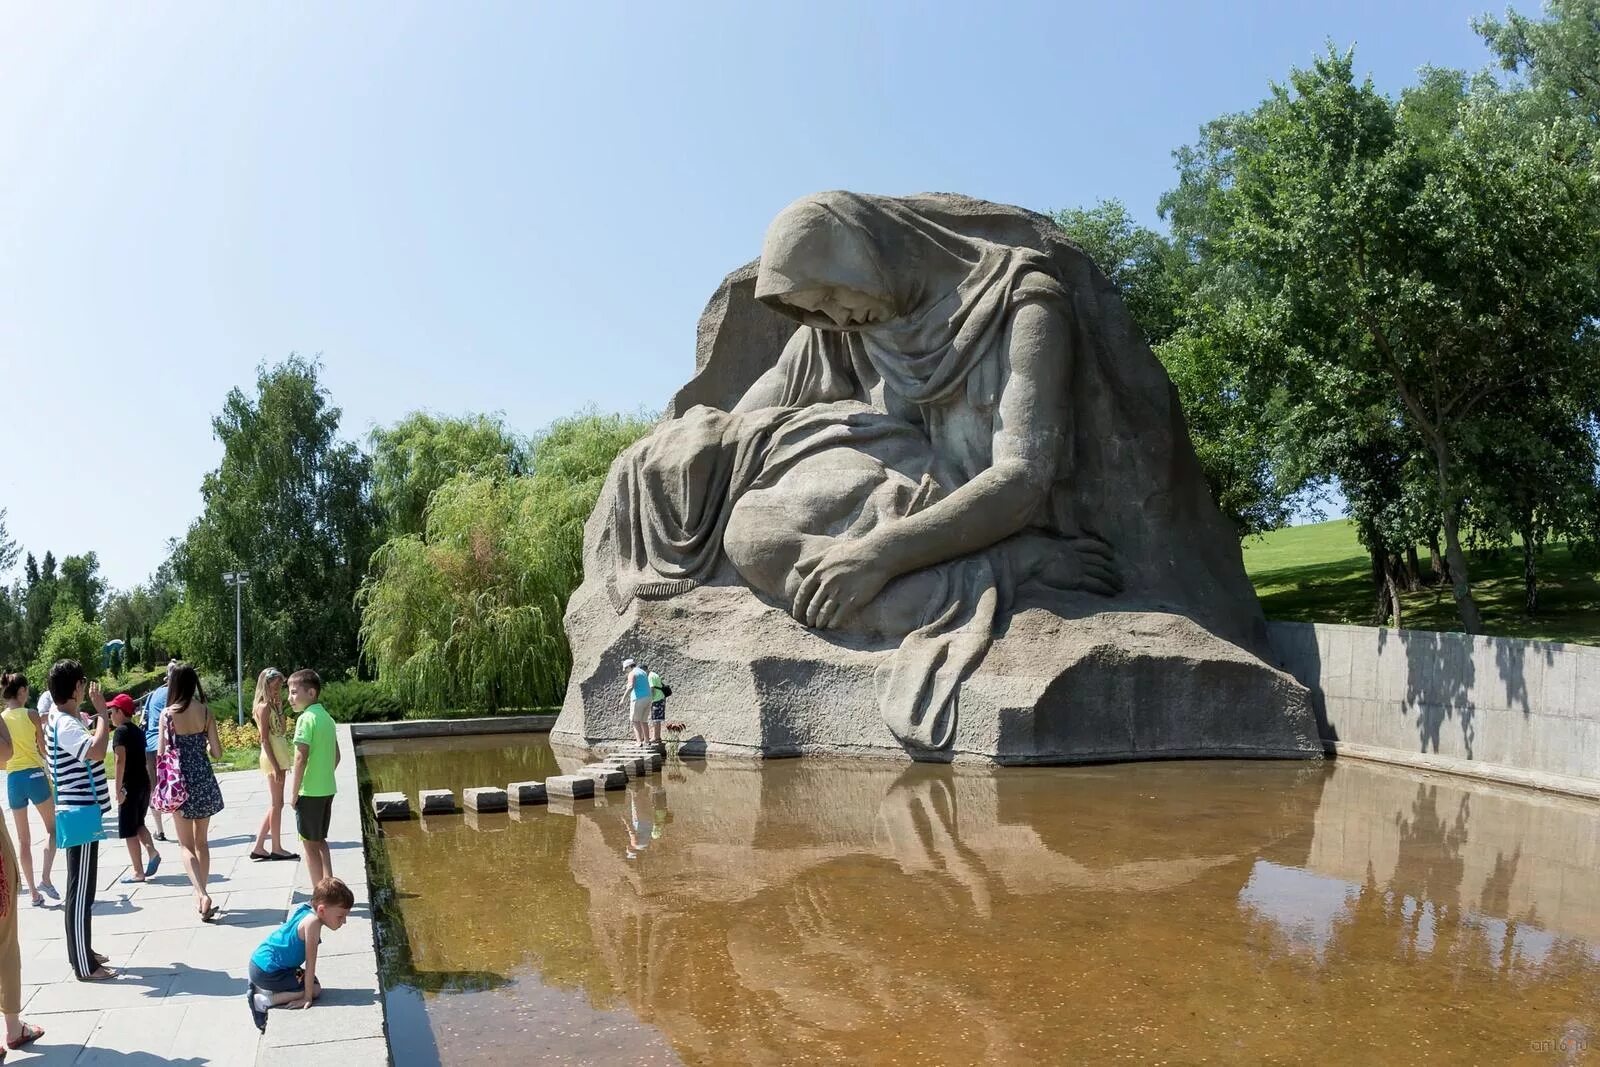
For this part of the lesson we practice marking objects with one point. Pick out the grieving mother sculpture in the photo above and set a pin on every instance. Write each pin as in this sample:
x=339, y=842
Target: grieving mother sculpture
x=955, y=513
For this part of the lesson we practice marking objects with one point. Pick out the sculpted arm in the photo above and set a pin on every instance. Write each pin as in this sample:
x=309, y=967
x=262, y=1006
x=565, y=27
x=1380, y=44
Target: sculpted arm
x=1029, y=425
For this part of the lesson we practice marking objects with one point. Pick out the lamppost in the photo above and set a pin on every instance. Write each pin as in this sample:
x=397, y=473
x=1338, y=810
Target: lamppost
x=237, y=579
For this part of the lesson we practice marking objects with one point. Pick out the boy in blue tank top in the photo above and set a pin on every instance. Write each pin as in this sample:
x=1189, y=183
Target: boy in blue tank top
x=283, y=968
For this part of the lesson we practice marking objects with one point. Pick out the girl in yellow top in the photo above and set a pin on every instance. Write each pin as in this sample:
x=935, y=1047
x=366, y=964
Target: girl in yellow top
x=26, y=783
x=275, y=763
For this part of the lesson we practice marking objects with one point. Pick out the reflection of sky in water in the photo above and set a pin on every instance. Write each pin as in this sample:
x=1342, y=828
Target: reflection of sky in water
x=1306, y=908
x=1300, y=904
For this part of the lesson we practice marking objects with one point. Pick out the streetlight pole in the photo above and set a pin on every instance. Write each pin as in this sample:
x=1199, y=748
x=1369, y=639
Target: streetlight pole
x=237, y=579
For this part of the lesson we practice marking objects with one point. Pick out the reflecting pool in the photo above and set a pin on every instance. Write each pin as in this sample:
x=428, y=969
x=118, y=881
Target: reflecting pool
x=800, y=911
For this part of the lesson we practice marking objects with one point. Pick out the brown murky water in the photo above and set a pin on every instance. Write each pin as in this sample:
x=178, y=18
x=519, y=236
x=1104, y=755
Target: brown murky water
x=807, y=911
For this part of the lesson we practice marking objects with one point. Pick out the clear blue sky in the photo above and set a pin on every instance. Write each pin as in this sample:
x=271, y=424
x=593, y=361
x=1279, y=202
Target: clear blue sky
x=518, y=207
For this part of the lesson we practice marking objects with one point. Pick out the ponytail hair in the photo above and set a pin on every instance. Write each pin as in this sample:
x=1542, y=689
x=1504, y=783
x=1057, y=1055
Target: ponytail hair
x=11, y=684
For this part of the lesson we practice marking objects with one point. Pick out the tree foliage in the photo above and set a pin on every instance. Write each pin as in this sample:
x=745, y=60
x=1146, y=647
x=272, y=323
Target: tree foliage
x=422, y=451
x=70, y=637
x=1414, y=263
x=469, y=613
x=289, y=505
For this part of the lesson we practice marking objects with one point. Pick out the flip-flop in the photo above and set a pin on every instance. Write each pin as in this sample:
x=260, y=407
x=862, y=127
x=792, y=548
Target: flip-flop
x=153, y=866
x=38, y=899
x=105, y=977
x=129, y=879
x=210, y=914
x=30, y=1033
x=283, y=856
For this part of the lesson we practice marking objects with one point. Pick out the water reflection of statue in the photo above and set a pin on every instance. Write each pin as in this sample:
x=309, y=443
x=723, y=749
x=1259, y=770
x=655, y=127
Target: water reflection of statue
x=774, y=928
x=950, y=430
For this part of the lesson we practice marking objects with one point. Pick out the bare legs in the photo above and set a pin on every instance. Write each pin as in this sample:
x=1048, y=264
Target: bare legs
x=150, y=765
x=272, y=821
x=19, y=818
x=192, y=835
x=319, y=861
x=140, y=842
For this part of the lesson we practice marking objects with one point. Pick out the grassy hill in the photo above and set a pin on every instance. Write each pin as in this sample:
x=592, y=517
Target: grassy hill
x=1320, y=573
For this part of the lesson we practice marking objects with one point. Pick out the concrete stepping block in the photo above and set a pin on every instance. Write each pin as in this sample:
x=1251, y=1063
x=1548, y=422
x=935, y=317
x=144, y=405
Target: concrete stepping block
x=606, y=776
x=387, y=806
x=484, y=798
x=521, y=794
x=651, y=760
x=634, y=765
x=569, y=786
x=437, y=801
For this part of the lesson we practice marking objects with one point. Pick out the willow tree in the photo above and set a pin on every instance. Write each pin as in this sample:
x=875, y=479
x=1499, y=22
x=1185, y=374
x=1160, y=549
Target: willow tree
x=468, y=612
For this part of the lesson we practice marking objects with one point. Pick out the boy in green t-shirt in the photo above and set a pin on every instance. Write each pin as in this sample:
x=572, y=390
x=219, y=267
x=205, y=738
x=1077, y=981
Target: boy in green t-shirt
x=311, y=785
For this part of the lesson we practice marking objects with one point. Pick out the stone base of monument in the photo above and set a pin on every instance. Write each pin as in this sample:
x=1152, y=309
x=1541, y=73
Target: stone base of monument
x=1117, y=685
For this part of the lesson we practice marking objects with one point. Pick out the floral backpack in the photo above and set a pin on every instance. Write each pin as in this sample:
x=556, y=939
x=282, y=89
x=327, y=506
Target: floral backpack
x=170, y=794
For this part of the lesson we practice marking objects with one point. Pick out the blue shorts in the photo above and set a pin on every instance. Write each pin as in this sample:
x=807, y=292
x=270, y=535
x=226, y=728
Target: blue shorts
x=26, y=787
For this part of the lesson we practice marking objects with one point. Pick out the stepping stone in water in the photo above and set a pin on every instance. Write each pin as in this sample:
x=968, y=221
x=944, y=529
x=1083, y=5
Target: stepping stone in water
x=606, y=776
x=387, y=806
x=437, y=802
x=520, y=794
x=484, y=798
x=569, y=786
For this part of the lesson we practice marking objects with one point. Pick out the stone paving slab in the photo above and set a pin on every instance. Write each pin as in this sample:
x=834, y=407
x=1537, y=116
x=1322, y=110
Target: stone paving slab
x=181, y=999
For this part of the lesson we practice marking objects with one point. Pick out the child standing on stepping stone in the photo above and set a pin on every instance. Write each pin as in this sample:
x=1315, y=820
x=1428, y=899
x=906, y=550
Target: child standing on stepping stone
x=283, y=968
x=311, y=785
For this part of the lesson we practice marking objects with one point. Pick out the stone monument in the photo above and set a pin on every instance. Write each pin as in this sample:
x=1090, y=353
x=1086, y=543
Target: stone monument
x=927, y=494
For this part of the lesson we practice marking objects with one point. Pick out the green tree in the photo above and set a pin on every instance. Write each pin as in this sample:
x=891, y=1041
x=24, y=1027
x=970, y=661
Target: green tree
x=1445, y=248
x=289, y=505
x=82, y=584
x=38, y=599
x=1233, y=414
x=1559, y=54
x=70, y=637
x=469, y=613
x=422, y=451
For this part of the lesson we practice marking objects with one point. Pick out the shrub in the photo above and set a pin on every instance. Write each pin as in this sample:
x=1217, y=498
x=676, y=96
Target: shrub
x=359, y=701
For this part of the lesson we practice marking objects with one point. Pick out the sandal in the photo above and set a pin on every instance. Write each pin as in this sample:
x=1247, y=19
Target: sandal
x=38, y=899
x=29, y=1034
x=258, y=856
x=104, y=974
x=283, y=856
x=210, y=914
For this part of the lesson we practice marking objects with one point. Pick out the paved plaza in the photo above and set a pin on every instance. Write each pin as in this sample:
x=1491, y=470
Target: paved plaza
x=180, y=999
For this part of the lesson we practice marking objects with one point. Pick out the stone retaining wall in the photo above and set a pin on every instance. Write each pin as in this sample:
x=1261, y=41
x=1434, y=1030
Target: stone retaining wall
x=1520, y=711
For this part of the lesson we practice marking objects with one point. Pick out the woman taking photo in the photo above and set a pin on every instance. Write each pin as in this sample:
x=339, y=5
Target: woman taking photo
x=187, y=724
x=76, y=758
x=26, y=784
x=275, y=762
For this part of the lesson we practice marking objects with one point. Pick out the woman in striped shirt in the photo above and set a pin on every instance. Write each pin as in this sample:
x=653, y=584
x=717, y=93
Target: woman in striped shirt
x=76, y=758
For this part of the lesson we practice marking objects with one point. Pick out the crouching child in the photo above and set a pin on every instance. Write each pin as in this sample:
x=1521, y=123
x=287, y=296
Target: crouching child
x=283, y=968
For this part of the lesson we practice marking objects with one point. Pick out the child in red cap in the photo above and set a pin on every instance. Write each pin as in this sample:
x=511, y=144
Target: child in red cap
x=132, y=789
